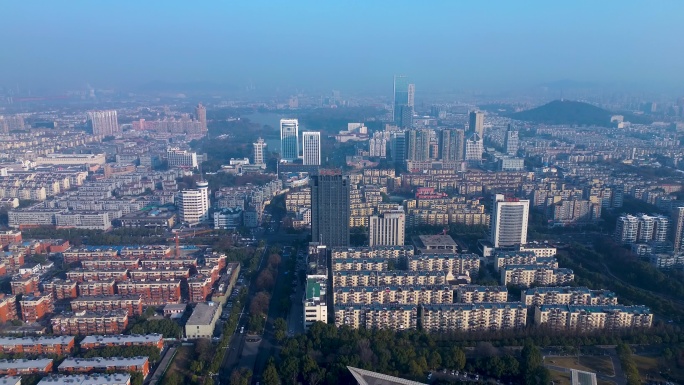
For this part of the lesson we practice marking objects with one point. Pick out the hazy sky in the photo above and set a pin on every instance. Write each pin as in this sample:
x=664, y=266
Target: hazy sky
x=345, y=45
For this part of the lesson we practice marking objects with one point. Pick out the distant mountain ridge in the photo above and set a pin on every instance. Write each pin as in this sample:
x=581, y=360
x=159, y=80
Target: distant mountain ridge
x=566, y=112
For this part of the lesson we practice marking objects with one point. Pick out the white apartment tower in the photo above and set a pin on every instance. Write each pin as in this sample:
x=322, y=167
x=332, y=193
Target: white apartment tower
x=627, y=229
x=509, y=221
x=193, y=204
x=474, y=148
x=387, y=229
x=311, y=148
x=259, y=152
x=181, y=158
x=289, y=139
x=104, y=123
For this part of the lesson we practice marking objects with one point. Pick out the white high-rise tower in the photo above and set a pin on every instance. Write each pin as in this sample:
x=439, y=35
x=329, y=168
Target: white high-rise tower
x=193, y=204
x=259, y=152
x=311, y=148
x=509, y=221
x=104, y=122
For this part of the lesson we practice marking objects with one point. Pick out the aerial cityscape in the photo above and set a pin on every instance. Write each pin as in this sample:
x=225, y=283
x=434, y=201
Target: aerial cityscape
x=305, y=193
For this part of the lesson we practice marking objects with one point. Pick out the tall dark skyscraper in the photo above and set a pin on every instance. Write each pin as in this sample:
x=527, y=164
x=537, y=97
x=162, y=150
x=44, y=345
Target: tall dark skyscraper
x=451, y=144
x=330, y=208
x=398, y=147
x=477, y=123
x=403, y=101
x=201, y=115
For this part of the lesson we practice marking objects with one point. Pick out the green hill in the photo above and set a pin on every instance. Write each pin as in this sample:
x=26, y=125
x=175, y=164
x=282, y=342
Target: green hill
x=566, y=112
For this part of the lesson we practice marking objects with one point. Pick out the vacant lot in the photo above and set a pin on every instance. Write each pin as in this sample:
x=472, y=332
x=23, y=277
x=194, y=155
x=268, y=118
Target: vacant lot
x=595, y=364
x=560, y=378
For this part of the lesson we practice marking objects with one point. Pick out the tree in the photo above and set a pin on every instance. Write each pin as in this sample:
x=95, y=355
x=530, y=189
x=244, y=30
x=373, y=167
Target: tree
x=280, y=329
x=271, y=375
x=265, y=280
x=259, y=303
x=458, y=357
x=274, y=260
x=435, y=360
x=137, y=378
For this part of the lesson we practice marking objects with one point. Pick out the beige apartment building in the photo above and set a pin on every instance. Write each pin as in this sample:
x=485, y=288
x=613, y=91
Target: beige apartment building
x=567, y=295
x=473, y=317
x=376, y=264
x=586, y=318
x=478, y=294
x=391, y=252
x=390, y=277
x=414, y=295
x=455, y=264
x=527, y=275
x=394, y=317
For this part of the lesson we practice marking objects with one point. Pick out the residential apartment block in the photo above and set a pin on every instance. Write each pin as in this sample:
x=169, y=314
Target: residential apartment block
x=526, y=275
x=390, y=277
x=102, y=364
x=405, y=295
x=132, y=304
x=473, y=316
x=99, y=341
x=60, y=345
x=477, y=294
x=394, y=317
x=89, y=323
x=585, y=318
x=567, y=295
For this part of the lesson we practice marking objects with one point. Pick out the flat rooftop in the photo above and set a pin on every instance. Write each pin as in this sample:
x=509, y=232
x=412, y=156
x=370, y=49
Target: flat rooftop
x=203, y=314
x=24, y=364
x=28, y=341
x=102, y=362
x=435, y=242
x=123, y=339
x=87, y=379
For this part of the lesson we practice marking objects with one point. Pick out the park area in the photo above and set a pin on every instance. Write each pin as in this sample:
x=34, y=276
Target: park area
x=596, y=364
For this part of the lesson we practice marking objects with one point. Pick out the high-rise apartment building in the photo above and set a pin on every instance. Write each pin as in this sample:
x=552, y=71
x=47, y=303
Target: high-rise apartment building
x=259, y=152
x=311, y=148
x=477, y=123
x=104, y=123
x=418, y=145
x=511, y=141
x=509, y=221
x=387, y=229
x=193, y=204
x=627, y=229
x=289, y=139
x=678, y=228
x=451, y=144
x=330, y=208
x=403, y=98
x=474, y=148
x=201, y=116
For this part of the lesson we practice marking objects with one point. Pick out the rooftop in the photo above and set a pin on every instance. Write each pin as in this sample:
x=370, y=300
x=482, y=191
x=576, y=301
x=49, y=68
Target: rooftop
x=203, y=314
x=102, y=362
x=122, y=339
x=24, y=364
x=28, y=341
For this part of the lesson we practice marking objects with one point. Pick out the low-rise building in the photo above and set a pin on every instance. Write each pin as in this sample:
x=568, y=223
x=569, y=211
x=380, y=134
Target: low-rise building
x=59, y=345
x=99, y=341
x=82, y=275
x=96, y=288
x=61, y=289
x=87, y=379
x=394, y=317
x=586, y=318
x=477, y=294
x=88, y=323
x=202, y=321
x=24, y=366
x=315, y=301
x=473, y=316
x=25, y=284
x=103, y=364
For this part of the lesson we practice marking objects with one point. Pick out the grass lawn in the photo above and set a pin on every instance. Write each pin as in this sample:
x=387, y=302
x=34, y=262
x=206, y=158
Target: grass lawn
x=560, y=378
x=595, y=364
x=650, y=367
x=181, y=361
